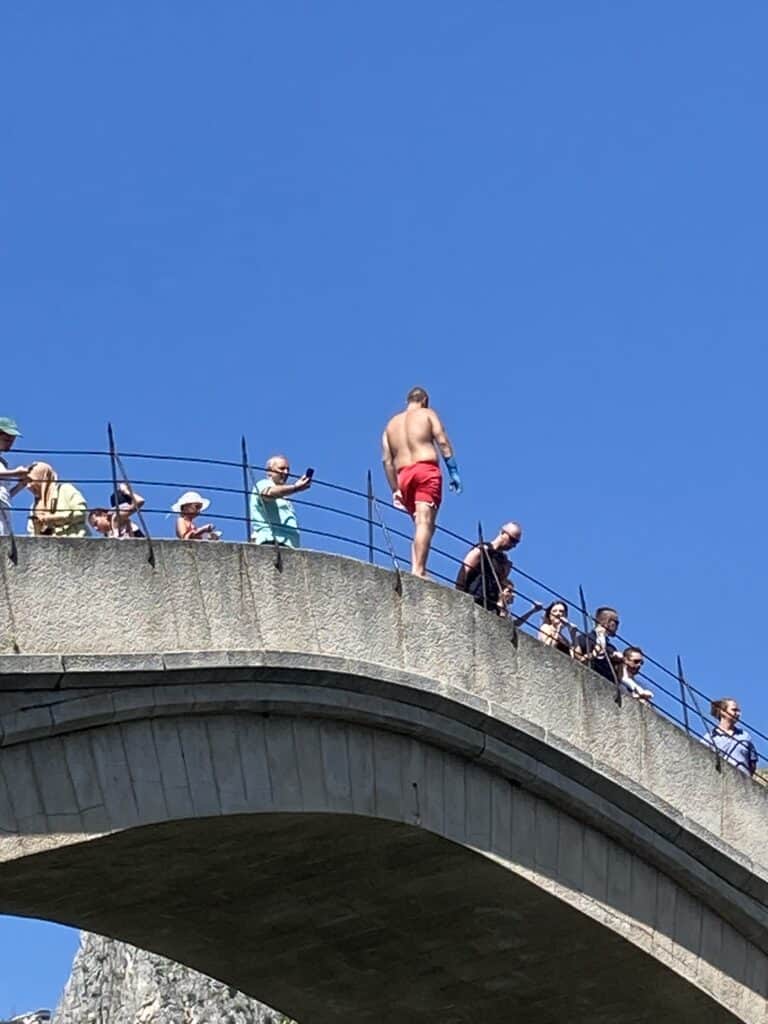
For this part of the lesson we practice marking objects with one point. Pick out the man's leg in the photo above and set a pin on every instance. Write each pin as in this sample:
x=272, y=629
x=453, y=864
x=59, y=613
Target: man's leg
x=424, y=519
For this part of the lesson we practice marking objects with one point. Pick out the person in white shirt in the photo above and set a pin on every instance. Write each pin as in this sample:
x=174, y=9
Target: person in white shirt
x=632, y=660
x=9, y=431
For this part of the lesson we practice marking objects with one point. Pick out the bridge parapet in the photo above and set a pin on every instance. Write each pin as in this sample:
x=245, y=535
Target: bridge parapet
x=83, y=611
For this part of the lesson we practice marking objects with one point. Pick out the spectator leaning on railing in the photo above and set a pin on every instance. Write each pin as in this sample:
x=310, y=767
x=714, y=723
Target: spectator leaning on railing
x=484, y=570
x=553, y=622
x=632, y=660
x=273, y=518
x=596, y=649
x=59, y=509
x=506, y=602
x=733, y=743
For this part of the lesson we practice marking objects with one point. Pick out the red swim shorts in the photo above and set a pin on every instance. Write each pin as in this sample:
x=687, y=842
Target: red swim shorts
x=420, y=482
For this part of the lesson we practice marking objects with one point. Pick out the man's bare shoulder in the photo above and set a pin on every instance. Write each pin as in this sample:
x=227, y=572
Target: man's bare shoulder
x=393, y=421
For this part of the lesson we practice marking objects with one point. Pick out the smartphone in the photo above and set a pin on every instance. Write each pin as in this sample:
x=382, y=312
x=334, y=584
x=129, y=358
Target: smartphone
x=310, y=472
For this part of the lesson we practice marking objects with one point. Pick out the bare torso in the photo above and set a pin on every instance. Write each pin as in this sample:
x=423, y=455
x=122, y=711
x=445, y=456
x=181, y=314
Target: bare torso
x=411, y=437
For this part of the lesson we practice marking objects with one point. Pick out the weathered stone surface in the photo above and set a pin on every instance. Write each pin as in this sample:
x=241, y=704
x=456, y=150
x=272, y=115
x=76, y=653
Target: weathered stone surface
x=114, y=983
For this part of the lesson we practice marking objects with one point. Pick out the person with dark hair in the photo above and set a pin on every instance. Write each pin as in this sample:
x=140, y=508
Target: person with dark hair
x=596, y=650
x=632, y=660
x=508, y=598
x=727, y=737
x=116, y=522
x=484, y=571
x=553, y=622
x=410, y=446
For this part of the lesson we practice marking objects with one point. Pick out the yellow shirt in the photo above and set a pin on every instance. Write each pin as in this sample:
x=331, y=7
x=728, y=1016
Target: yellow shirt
x=68, y=499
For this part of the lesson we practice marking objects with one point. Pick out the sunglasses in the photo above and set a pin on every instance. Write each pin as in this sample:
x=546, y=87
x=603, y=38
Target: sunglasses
x=514, y=541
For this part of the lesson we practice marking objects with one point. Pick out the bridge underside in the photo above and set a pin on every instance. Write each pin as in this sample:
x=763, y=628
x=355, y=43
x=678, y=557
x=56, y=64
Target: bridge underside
x=336, y=918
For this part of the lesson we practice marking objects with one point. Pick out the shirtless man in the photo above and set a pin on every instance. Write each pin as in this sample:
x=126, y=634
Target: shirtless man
x=409, y=445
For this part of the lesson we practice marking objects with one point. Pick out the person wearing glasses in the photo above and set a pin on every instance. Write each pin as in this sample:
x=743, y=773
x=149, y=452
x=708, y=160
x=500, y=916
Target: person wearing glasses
x=484, y=570
x=273, y=518
x=727, y=737
x=632, y=660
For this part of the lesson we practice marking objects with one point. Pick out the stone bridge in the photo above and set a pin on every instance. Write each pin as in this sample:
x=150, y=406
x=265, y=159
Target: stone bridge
x=359, y=804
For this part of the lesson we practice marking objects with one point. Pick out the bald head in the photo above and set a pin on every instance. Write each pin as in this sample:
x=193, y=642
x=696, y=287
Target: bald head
x=509, y=536
x=278, y=468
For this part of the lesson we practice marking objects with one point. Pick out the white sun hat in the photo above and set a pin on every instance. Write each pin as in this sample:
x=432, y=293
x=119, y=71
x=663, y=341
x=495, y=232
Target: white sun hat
x=190, y=498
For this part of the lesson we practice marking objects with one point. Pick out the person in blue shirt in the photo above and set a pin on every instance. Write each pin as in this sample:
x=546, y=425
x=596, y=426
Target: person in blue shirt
x=733, y=743
x=273, y=519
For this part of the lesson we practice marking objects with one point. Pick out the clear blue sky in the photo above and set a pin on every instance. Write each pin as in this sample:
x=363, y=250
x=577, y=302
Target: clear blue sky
x=275, y=218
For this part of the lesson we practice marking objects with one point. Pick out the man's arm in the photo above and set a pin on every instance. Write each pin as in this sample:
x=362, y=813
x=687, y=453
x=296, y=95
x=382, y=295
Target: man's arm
x=522, y=619
x=636, y=690
x=471, y=562
x=284, y=490
x=133, y=502
x=13, y=474
x=389, y=463
x=439, y=435
x=445, y=447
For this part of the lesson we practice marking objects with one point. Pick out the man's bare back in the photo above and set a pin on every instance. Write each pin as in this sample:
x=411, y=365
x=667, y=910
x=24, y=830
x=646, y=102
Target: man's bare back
x=410, y=445
x=411, y=437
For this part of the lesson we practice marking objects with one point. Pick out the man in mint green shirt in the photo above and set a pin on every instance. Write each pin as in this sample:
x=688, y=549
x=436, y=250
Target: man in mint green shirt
x=273, y=519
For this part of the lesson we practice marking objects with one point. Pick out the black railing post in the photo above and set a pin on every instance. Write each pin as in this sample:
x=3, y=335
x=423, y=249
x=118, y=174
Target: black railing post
x=113, y=465
x=13, y=551
x=683, y=699
x=584, y=615
x=390, y=546
x=246, y=487
x=117, y=464
x=694, y=700
x=481, y=546
x=370, y=517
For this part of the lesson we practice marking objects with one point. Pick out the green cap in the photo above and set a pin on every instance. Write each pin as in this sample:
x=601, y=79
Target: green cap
x=9, y=426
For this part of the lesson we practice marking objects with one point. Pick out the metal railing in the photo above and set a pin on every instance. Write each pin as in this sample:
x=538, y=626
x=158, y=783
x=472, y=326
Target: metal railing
x=357, y=522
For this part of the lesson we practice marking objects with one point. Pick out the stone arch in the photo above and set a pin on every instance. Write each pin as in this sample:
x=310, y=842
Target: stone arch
x=513, y=903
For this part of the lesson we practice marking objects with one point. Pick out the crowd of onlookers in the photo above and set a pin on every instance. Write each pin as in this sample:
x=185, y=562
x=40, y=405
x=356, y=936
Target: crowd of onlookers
x=59, y=509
